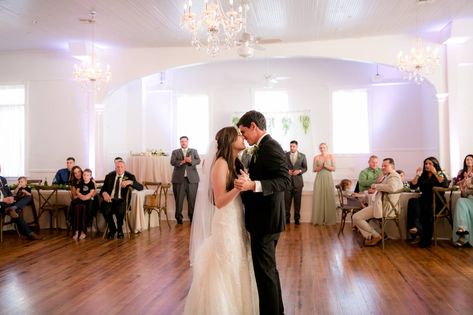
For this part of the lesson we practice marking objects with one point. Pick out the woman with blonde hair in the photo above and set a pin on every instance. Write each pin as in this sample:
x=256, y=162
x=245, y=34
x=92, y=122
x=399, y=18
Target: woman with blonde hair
x=323, y=206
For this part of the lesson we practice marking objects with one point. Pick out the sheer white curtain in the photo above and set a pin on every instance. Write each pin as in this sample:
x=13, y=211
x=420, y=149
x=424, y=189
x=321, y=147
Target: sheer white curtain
x=12, y=130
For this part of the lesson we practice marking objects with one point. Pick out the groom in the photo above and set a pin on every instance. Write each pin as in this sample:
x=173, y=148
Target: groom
x=263, y=198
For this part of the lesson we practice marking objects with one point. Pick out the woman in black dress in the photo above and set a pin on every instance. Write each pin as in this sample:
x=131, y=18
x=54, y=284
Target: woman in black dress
x=419, y=210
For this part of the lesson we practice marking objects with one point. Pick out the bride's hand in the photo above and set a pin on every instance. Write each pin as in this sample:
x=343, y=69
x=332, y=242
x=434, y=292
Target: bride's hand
x=244, y=175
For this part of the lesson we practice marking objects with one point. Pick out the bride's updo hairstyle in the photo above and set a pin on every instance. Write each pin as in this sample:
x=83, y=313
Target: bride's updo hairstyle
x=225, y=138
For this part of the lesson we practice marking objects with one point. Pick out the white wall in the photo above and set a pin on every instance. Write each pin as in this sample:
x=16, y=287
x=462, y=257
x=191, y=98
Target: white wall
x=58, y=126
x=403, y=116
x=57, y=110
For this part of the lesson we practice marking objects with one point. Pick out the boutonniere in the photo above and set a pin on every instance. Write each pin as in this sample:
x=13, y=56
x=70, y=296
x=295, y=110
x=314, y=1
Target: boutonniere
x=125, y=178
x=252, y=150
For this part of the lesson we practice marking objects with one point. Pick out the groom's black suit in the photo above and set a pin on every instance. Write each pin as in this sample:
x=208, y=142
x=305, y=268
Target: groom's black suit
x=265, y=219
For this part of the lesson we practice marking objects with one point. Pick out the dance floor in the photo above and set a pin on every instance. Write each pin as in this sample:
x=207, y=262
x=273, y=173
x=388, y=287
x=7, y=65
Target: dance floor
x=149, y=274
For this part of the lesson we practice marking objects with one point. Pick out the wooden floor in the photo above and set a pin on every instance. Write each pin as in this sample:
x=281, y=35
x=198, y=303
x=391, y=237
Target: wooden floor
x=149, y=274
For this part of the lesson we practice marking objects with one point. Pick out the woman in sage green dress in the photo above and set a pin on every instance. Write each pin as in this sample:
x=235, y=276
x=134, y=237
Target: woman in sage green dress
x=323, y=196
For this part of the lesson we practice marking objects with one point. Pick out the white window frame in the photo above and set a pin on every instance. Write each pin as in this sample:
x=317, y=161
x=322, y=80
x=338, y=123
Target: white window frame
x=13, y=129
x=350, y=122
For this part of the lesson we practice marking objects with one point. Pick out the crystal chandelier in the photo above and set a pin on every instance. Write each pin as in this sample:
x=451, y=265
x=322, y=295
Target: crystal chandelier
x=419, y=62
x=221, y=27
x=90, y=72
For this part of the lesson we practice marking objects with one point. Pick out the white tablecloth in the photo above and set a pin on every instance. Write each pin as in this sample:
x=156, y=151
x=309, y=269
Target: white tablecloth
x=151, y=168
x=138, y=219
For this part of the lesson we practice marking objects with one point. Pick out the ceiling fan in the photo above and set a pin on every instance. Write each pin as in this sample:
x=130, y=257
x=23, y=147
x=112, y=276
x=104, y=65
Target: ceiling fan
x=272, y=78
x=247, y=42
x=91, y=18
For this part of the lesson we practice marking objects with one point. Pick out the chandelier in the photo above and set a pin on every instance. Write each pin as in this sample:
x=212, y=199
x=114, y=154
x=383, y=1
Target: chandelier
x=419, y=62
x=220, y=27
x=90, y=72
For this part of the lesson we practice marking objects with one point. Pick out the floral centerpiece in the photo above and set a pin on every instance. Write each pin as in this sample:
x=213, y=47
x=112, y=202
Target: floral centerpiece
x=157, y=152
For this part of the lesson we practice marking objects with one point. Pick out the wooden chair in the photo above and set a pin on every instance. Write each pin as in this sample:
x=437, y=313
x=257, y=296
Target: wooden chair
x=126, y=220
x=391, y=212
x=346, y=208
x=152, y=202
x=445, y=211
x=48, y=202
x=3, y=223
x=163, y=203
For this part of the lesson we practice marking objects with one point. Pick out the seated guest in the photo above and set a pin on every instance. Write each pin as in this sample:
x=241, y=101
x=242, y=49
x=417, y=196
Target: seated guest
x=466, y=172
x=391, y=182
x=353, y=199
x=419, y=210
x=62, y=176
x=22, y=190
x=84, y=191
x=76, y=177
x=113, y=193
x=463, y=216
x=74, y=180
x=12, y=207
x=405, y=183
x=369, y=175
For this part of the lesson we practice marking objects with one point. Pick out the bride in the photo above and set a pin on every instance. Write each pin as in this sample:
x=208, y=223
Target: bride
x=223, y=279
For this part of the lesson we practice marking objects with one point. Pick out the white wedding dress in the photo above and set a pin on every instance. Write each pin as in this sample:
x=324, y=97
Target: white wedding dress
x=223, y=281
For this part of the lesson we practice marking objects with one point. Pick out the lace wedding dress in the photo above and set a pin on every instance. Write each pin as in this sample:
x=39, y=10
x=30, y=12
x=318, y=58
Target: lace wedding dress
x=223, y=280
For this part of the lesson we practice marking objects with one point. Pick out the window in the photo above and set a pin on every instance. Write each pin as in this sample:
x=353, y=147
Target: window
x=193, y=120
x=350, y=122
x=271, y=101
x=12, y=129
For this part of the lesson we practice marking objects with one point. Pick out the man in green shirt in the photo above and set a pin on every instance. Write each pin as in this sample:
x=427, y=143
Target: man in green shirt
x=369, y=175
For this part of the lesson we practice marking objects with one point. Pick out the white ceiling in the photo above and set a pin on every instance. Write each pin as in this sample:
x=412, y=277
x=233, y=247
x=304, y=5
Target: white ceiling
x=51, y=24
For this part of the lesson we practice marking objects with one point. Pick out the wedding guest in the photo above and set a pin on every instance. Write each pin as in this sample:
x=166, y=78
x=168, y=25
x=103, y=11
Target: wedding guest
x=323, y=199
x=419, y=210
x=369, y=175
x=12, y=207
x=297, y=164
x=185, y=179
x=353, y=199
x=405, y=183
x=85, y=191
x=463, y=215
x=76, y=176
x=113, y=192
x=22, y=190
x=466, y=172
x=75, y=179
x=391, y=182
x=63, y=175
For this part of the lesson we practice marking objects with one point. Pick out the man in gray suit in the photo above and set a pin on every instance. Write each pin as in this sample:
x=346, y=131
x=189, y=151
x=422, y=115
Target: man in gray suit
x=297, y=164
x=185, y=179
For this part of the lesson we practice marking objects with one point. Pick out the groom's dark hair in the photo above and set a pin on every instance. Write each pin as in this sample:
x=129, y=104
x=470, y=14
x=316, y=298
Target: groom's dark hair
x=252, y=116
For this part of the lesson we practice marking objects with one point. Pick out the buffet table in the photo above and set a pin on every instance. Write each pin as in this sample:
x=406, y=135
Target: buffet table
x=150, y=168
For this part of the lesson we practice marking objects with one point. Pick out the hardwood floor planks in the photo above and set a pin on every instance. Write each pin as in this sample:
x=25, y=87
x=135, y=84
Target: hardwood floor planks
x=149, y=274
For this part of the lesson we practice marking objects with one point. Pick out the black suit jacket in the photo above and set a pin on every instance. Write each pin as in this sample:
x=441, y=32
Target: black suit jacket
x=5, y=191
x=265, y=212
x=110, y=181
